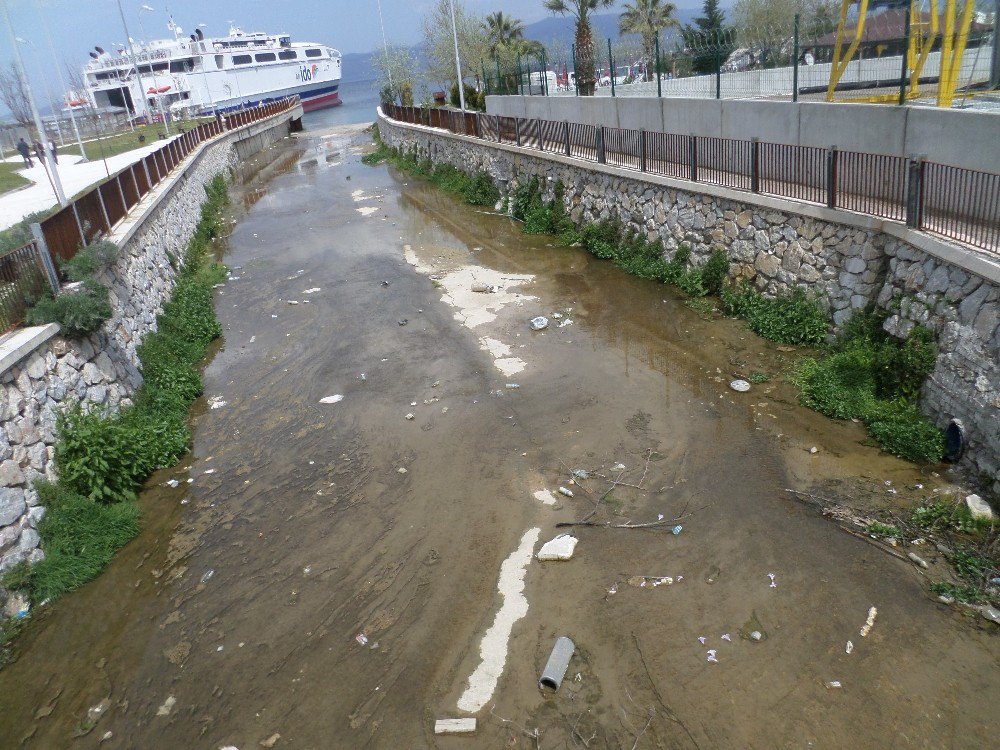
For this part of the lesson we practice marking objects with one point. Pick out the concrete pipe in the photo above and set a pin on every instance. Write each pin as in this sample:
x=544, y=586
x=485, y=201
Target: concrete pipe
x=558, y=663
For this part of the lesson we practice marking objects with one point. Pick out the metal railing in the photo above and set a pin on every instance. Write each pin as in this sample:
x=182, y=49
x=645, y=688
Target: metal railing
x=27, y=272
x=952, y=202
x=97, y=212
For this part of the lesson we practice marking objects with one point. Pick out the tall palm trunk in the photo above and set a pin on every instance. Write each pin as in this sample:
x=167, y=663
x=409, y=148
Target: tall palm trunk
x=584, y=57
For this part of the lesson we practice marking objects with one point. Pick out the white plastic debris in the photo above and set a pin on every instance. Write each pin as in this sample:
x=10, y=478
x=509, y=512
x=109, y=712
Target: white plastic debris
x=455, y=726
x=332, y=399
x=727, y=637
x=311, y=291
x=849, y=647
x=756, y=635
x=702, y=640
x=618, y=467
x=401, y=470
x=410, y=416
x=773, y=584
x=566, y=492
x=917, y=559
x=711, y=656
x=740, y=386
x=166, y=707
x=834, y=684
x=567, y=322
x=560, y=548
x=172, y=483
x=867, y=627
x=216, y=402
x=362, y=639
x=539, y=323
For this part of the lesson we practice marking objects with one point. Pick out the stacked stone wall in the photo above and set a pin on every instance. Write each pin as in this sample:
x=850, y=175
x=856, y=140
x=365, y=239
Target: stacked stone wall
x=846, y=265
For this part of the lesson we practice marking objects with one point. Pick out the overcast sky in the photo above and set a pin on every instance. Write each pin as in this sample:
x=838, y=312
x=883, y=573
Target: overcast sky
x=348, y=25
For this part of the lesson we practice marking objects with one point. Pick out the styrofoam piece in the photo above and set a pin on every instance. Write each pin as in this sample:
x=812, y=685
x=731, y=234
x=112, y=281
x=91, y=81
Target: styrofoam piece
x=455, y=726
x=560, y=548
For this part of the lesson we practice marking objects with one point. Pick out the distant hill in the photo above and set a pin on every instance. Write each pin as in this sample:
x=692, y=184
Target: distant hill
x=357, y=66
x=605, y=25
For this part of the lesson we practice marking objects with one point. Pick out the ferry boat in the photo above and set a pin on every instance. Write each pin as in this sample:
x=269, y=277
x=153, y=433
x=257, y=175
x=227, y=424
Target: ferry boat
x=199, y=74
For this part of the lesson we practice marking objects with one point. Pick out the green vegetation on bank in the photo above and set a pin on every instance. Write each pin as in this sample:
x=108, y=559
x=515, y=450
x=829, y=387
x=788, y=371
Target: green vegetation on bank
x=866, y=374
x=103, y=457
x=128, y=140
x=83, y=311
x=10, y=179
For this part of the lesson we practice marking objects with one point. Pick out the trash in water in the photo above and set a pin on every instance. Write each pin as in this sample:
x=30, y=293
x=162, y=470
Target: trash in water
x=565, y=323
x=849, y=647
x=311, y=291
x=753, y=630
x=834, y=684
x=676, y=529
x=512, y=386
x=713, y=574
x=702, y=640
x=581, y=474
x=539, y=323
x=756, y=635
x=740, y=386
x=216, y=402
x=403, y=321
x=362, y=639
x=558, y=663
x=566, y=492
x=557, y=316
x=409, y=417
x=613, y=590
x=385, y=283
x=867, y=627
x=207, y=575
x=711, y=656
x=990, y=613
x=641, y=582
x=485, y=288
x=727, y=637
x=560, y=548
x=166, y=707
x=773, y=584
x=917, y=559
x=814, y=450
x=362, y=377
x=293, y=302
x=332, y=399
x=455, y=726
x=401, y=470
x=172, y=483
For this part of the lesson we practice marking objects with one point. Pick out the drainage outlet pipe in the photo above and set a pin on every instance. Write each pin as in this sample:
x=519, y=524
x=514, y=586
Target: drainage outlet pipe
x=558, y=663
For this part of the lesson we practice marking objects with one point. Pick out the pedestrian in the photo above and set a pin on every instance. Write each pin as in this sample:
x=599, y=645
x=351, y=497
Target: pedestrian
x=54, y=151
x=40, y=152
x=25, y=151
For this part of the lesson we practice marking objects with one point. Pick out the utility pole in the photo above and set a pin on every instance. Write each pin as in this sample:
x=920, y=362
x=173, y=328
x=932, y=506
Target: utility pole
x=57, y=187
x=135, y=62
x=995, y=62
x=62, y=81
x=458, y=62
x=385, y=47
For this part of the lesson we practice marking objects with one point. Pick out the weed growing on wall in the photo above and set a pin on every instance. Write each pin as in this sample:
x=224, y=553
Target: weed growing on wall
x=791, y=319
x=102, y=458
x=871, y=376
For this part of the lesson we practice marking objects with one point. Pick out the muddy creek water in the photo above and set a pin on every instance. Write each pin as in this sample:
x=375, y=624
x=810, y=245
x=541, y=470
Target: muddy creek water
x=331, y=573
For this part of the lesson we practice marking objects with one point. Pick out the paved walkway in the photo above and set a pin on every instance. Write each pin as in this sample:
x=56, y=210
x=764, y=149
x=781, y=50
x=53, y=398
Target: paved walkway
x=76, y=176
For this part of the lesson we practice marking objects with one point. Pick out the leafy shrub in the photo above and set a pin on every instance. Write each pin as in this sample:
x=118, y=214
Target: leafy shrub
x=78, y=313
x=473, y=99
x=525, y=196
x=90, y=261
x=715, y=272
x=901, y=429
x=480, y=190
x=793, y=319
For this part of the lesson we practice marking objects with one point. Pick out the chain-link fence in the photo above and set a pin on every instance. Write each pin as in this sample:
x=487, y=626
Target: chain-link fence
x=927, y=52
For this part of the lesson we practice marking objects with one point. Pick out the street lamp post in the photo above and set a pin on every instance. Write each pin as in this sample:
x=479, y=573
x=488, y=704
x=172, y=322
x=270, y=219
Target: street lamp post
x=62, y=82
x=57, y=187
x=135, y=62
x=385, y=47
x=458, y=62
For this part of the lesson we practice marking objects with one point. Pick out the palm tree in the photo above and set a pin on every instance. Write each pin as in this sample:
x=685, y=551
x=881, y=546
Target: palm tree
x=646, y=18
x=502, y=30
x=584, y=38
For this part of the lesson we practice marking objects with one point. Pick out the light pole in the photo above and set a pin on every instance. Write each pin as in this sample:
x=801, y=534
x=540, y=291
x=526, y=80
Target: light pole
x=458, y=62
x=135, y=62
x=48, y=96
x=147, y=9
x=19, y=66
x=385, y=46
x=62, y=81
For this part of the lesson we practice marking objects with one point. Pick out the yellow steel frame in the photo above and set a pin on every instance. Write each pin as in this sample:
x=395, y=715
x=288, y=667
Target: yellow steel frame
x=953, y=49
x=840, y=61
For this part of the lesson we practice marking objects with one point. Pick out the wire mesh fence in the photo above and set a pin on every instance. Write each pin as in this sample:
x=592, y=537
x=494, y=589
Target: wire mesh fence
x=959, y=204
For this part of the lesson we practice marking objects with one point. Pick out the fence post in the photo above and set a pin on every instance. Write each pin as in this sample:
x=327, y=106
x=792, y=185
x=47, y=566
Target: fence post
x=566, y=137
x=642, y=150
x=45, y=256
x=659, y=83
x=905, y=58
x=576, y=75
x=538, y=133
x=693, y=156
x=718, y=78
x=599, y=136
x=517, y=130
x=831, y=177
x=104, y=209
x=496, y=124
x=611, y=68
x=795, y=63
x=520, y=79
x=121, y=192
x=755, y=165
x=79, y=225
x=914, y=191
x=545, y=74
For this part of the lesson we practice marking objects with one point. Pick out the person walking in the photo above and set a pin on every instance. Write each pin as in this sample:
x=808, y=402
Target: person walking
x=54, y=150
x=40, y=152
x=25, y=151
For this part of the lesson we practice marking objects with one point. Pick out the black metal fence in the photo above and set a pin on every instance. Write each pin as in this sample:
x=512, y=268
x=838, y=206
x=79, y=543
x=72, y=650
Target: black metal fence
x=22, y=278
x=959, y=204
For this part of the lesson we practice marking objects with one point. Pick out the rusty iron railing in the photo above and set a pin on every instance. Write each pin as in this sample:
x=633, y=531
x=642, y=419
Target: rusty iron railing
x=22, y=281
x=952, y=202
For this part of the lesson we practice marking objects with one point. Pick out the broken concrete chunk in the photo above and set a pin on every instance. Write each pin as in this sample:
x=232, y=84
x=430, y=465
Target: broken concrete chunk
x=979, y=508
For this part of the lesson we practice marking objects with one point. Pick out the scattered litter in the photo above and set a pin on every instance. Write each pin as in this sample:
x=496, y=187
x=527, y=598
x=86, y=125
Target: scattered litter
x=172, y=483
x=410, y=417
x=659, y=516
x=220, y=648
x=613, y=590
x=773, y=584
x=166, y=707
x=539, y=323
x=834, y=684
x=727, y=637
x=917, y=559
x=945, y=599
x=867, y=627
x=753, y=629
x=293, y=302
x=990, y=613
x=455, y=726
x=641, y=582
x=618, y=467
x=401, y=470
x=558, y=663
x=362, y=639
x=332, y=399
x=311, y=291
x=512, y=386
x=403, y=321
x=560, y=548
x=362, y=377
x=305, y=571
x=274, y=316
x=979, y=508
x=565, y=323
x=209, y=471
x=385, y=283
x=566, y=492
x=814, y=450
x=253, y=339
x=756, y=635
x=545, y=497
x=581, y=474
x=557, y=316
x=849, y=648
x=270, y=741
x=676, y=529
x=207, y=575
x=711, y=656
x=702, y=640
x=216, y=402
x=485, y=288
x=740, y=386
x=435, y=384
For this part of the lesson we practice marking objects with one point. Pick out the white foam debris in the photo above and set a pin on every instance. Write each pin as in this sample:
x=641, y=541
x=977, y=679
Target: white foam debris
x=493, y=649
x=869, y=623
x=166, y=707
x=366, y=210
x=545, y=497
x=560, y=548
x=455, y=726
x=332, y=399
x=216, y=402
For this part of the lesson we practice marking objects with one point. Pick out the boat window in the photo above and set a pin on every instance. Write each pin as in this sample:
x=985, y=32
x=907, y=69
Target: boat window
x=182, y=66
x=242, y=59
x=314, y=53
x=288, y=54
x=266, y=57
x=219, y=61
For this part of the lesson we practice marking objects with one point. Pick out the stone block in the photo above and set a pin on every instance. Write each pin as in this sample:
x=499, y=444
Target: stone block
x=855, y=265
x=10, y=474
x=767, y=264
x=12, y=505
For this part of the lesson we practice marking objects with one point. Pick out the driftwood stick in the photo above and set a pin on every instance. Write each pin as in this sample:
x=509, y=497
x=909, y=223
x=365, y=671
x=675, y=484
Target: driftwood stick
x=652, y=713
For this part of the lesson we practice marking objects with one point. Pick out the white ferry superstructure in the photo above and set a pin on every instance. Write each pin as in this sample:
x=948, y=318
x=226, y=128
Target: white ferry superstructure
x=202, y=74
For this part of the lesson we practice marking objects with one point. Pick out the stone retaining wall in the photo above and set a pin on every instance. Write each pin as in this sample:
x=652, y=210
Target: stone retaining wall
x=847, y=261
x=103, y=369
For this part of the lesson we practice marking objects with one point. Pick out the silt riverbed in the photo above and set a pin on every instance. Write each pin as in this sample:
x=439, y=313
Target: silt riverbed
x=343, y=574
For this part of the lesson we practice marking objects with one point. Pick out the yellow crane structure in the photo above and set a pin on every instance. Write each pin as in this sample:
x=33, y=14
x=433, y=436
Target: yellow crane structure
x=923, y=34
